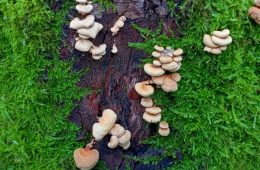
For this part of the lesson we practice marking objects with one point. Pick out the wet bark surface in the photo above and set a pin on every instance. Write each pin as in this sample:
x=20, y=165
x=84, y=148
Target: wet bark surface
x=113, y=77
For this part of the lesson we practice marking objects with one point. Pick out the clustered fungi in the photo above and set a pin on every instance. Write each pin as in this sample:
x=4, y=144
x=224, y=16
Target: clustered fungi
x=87, y=158
x=254, y=12
x=163, y=75
x=87, y=29
x=217, y=42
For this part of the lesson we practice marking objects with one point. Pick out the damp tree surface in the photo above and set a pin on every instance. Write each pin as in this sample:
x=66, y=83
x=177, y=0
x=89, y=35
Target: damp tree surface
x=113, y=77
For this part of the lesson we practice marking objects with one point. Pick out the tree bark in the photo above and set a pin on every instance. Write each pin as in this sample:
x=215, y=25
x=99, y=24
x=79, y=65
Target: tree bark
x=113, y=77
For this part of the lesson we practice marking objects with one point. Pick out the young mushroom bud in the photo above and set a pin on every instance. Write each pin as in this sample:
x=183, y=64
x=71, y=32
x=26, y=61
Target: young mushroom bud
x=86, y=158
x=152, y=70
x=147, y=102
x=92, y=31
x=156, y=54
x=126, y=145
x=84, y=9
x=114, y=49
x=118, y=24
x=83, y=45
x=157, y=63
x=98, y=131
x=87, y=22
x=113, y=143
x=144, y=89
x=117, y=130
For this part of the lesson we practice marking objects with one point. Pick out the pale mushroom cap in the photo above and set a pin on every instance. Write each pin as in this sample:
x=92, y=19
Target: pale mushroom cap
x=207, y=40
x=157, y=63
x=119, y=23
x=223, y=48
x=158, y=80
x=86, y=158
x=177, y=59
x=257, y=3
x=176, y=77
x=156, y=54
x=222, y=42
x=125, y=138
x=176, y=69
x=169, y=85
x=177, y=52
x=158, y=48
x=98, y=131
x=108, y=119
x=207, y=49
x=144, y=89
x=113, y=143
x=97, y=57
x=164, y=125
x=84, y=9
x=117, y=130
x=98, y=50
x=114, y=29
x=254, y=13
x=91, y=31
x=165, y=59
x=216, y=51
x=83, y=37
x=164, y=132
x=170, y=66
x=87, y=22
x=222, y=34
x=146, y=102
x=153, y=110
x=152, y=70
x=83, y=45
x=114, y=49
x=126, y=145
x=152, y=118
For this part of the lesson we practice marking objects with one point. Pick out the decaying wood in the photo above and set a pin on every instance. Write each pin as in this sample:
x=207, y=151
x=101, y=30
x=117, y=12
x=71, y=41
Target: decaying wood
x=113, y=77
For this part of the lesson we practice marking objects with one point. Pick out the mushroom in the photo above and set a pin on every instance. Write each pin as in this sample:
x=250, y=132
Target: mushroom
x=152, y=70
x=254, y=13
x=176, y=77
x=221, y=42
x=118, y=24
x=113, y=143
x=144, y=89
x=165, y=59
x=92, y=31
x=125, y=138
x=84, y=9
x=83, y=45
x=257, y=3
x=169, y=85
x=86, y=159
x=170, y=66
x=177, y=52
x=87, y=22
x=157, y=63
x=207, y=40
x=99, y=51
x=156, y=54
x=176, y=69
x=222, y=34
x=177, y=59
x=158, y=48
x=126, y=146
x=108, y=119
x=153, y=110
x=114, y=49
x=164, y=129
x=117, y=130
x=98, y=131
x=97, y=57
x=216, y=51
x=83, y=37
x=158, y=80
x=150, y=118
x=146, y=102
x=207, y=49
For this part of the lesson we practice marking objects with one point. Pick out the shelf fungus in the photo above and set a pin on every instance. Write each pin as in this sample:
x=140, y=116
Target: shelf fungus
x=254, y=12
x=217, y=42
x=120, y=137
x=164, y=129
x=86, y=28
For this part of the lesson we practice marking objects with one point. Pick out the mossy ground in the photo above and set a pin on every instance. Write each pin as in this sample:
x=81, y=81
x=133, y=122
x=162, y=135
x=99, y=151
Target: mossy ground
x=215, y=112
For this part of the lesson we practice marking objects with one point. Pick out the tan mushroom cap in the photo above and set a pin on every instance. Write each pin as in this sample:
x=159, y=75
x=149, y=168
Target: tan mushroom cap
x=177, y=52
x=108, y=119
x=152, y=70
x=152, y=118
x=164, y=132
x=254, y=13
x=84, y=9
x=207, y=49
x=126, y=145
x=86, y=159
x=177, y=59
x=144, y=89
x=146, y=102
x=98, y=131
x=221, y=34
x=223, y=48
x=222, y=42
x=165, y=59
x=156, y=54
x=83, y=45
x=170, y=66
x=158, y=80
x=91, y=31
x=153, y=110
x=164, y=125
x=176, y=77
x=257, y=3
x=157, y=63
x=78, y=23
x=113, y=143
x=169, y=85
x=207, y=40
x=216, y=51
x=158, y=48
x=117, y=130
x=100, y=50
x=125, y=138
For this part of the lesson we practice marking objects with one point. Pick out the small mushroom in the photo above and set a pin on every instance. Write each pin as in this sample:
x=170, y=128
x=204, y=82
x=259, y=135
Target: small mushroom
x=178, y=52
x=144, y=89
x=125, y=138
x=84, y=9
x=254, y=13
x=157, y=63
x=164, y=132
x=146, y=102
x=164, y=125
x=207, y=40
x=100, y=50
x=222, y=34
x=158, y=48
x=83, y=45
x=158, y=80
x=108, y=119
x=177, y=59
x=150, y=118
x=114, y=49
x=126, y=145
x=153, y=110
x=156, y=54
x=118, y=24
x=117, y=130
x=152, y=70
x=98, y=131
x=169, y=85
x=87, y=22
x=216, y=51
x=176, y=77
x=113, y=143
x=92, y=31
x=207, y=49
x=165, y=59
x=170, y=66
x=257, y=3
x=86, y=159
x=221, y=42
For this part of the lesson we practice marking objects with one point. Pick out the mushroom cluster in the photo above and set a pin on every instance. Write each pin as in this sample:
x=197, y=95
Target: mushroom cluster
x=86, y=158
x=254, y=12
x=87, y=29
x=164, y=129
x=152, y=113
x=217, y=42
x=119, y=136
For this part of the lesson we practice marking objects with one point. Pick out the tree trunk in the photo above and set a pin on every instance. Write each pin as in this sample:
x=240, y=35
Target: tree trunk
x=113, y=77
